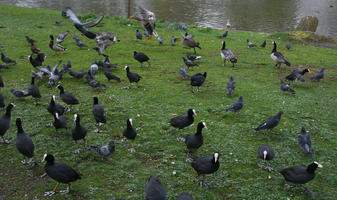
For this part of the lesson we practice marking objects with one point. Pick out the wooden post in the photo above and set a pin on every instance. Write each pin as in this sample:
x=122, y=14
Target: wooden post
x=129, y=8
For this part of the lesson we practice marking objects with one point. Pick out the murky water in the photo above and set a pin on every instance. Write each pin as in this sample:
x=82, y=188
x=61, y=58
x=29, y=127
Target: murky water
x=251, y=15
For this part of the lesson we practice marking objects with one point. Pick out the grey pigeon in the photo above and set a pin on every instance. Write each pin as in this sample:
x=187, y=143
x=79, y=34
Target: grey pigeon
x=76, y=74
x=184, y=196
x=224, y=35
x=304, y=141
x=104, y=151
x=58, y=22
x=192, y=57
x=139, y=36
x=318, y=76
x=146, y=33
x=189, y=63
x=111, y=76
x=250, y=44
x=271, y=122
x=237, y=106
x=7, y=60
x=80, y=44
x=183, y=72
x=76, y=38
x=154, y=190
x=230, y=85
x=263, y=45
x=19, y=93
x=297, y=75
x=173, y=40
x=54, y=75
x=286, y=88
x=92, y=82
x=60, y=38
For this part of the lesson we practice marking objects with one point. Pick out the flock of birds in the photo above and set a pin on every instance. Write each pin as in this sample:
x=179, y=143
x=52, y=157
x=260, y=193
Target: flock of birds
x=62, y=173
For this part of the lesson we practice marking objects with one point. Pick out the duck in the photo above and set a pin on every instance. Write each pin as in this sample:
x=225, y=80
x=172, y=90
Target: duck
x=6, y=59
x=141, y=57
x=278, y=57
x=286, y=88
x=132, y=76
x=99, y=113
x=189, y=63
x=195, y=140
x=67, y=97
x=34, y=91
x=231, y=84
x=301, y=174
x=236, y=106
x=147, y=20
x=139, y=36
x=206, y=165
x=5, y=122
x=56, y=47
x=183, y=121
x=24, y=143
x=60, y=121
x=82, y=27
x=110, y=76
x=154, y=189
x=54, y=107
x=189, y=42
x=104, y=151
x=318, y=76
x=60, y=172
x=79, y=132
x=304, y=140
x=197, y=80
x=34, y=49
x=271, y=122
x=227, y=54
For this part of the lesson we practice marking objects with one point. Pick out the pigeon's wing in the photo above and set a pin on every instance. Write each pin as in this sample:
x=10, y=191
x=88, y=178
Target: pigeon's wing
x=85, y=31
x=104, y=150
x=44, y=70
x=55, y=67
x=70, y=13
x=93, y=22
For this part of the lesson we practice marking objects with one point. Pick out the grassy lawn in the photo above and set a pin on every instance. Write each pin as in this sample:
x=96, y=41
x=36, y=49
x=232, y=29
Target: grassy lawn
x=161, y=92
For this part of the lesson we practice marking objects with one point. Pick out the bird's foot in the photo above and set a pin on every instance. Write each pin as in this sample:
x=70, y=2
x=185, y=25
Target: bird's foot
x=77, y=151
x=126, y=87
x=43, y=175
x=67, y=110
x=49, y=193
x=98, y=131
x=100, y=124
x=180, y=139
x=49, y=125
x=189, y=159
x=204, y=184
x=260, y=164
x=24, y=162
x=288, y=186
x=270, y=169
x=64, y=191
x=132, y=150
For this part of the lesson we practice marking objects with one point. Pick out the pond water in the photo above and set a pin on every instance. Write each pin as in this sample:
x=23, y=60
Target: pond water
x=250, y=15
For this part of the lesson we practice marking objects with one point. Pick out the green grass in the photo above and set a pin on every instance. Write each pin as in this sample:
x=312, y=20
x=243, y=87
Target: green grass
x=162, y=92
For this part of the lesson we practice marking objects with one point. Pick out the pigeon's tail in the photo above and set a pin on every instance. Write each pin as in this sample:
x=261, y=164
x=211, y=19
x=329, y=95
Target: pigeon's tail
x=229, y=91
x=287, y=63
x=291, y=91
x=257, y=129
x=307, y=149
x=94, y=148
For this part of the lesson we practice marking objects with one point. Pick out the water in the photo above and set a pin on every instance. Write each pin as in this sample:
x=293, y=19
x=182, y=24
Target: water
x=249, y=15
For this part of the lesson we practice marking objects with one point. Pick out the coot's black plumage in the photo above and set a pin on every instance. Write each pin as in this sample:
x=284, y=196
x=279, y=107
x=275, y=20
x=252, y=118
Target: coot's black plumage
x=183, y=121
x=184, y=196
x=78, y=132
x=2, y=101
x=5, y=121
x=300, y=174
x=132, y=76
x=98, y=112
x=198, y=79
x=59, y=121
x=154, y=189
x=304, y=141
x=271, y=122
x=38, y=60
x=195, y=140
x=34, y=91
x=141, y=57
x=60, y=172
x=206, y=165
x=24, y=143
x=1, y=82
x=54, y=107
x=67, y=97
x=129, y=132
x=265, y=152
